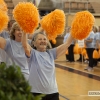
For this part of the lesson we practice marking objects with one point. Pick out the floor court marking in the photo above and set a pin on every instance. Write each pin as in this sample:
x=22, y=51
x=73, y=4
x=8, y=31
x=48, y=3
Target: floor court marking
x=63, y=97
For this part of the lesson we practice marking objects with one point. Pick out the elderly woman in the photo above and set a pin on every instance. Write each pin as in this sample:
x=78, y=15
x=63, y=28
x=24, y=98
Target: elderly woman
x=13, y=47
x=42, y=66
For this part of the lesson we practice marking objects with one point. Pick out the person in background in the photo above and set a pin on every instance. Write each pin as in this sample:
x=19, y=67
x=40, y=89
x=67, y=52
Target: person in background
x=42, y=65
x=96, y=41
x=90, y=48
x=70, y=55
x=99, y=40
x=4, y=58
x=13, y=47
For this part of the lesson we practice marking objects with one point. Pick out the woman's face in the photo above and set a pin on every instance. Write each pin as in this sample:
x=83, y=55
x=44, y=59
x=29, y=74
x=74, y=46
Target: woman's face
x=18, y=34
x=94, y=29
x=41, y=42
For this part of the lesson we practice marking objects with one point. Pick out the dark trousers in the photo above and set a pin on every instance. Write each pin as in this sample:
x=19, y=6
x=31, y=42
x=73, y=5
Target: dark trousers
x=70, y=55
x=90, y=56
x=53, y=96
x=96, y=60
x=80, y=58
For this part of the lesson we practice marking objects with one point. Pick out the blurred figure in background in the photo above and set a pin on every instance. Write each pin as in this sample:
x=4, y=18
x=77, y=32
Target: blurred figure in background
x=70, y=55
x=99, y=40
x=90, y=48
x=96, y=41
x=5, y=34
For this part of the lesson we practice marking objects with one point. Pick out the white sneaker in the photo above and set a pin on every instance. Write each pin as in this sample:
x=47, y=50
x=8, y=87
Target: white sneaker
x=90, y=69
x=86, y=68
x=86, y=61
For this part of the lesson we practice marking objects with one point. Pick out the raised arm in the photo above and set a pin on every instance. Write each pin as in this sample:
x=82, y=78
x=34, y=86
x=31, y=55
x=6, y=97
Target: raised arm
x=62, y=48
x=89, y=40
x=25, y=44
x=2, y=43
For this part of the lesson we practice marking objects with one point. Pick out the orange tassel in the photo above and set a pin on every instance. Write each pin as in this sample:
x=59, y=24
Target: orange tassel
x=67, y=52
x=3, y=6
x=3, y=20
x=84, y=52
x=82, y=25
x=79, y=50
x=99, y=53
x=54, y=41
x=27, y=16
x=53, y=23
x=95, y=54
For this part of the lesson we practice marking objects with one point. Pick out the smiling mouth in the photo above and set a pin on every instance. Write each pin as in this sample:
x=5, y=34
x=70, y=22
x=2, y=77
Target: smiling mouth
x=42, y=44
x=20, y=35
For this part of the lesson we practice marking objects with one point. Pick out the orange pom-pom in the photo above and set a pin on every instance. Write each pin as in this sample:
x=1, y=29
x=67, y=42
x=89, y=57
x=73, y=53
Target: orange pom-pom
x=3, y=20
x=95, y=54
x=79, y=50
x=27, y=16
x=99, y=53
x=53, y=23
x=84, y=52
x=3, y=6
x=82, y=25
x=67, y=52
x=53, y=41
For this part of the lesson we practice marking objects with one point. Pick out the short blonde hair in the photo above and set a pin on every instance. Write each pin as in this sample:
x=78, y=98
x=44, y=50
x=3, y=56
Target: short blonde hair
x=12, y=31
x=95, y=28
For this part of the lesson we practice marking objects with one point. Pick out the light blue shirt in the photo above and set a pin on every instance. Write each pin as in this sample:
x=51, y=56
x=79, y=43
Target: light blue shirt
x=42, y=71
x=16, y=52
x=90, y=44
x=3, y=55
x=5, y=34
x=66, y=37
x=96, y=38
x=99, y=36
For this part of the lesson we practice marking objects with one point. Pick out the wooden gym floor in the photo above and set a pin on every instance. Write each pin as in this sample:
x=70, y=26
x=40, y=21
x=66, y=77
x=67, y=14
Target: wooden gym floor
x=73, y=82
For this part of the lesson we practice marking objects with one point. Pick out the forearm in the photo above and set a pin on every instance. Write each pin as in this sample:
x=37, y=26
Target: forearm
x=25, y=44
x=2, y=43
x=24, y=40
x=62, y=48
x=68, y=42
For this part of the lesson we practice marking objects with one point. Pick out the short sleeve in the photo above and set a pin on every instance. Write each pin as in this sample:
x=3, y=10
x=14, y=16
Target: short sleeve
x=7, y=44
x=97, y=36
x=53, y=53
